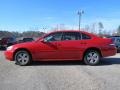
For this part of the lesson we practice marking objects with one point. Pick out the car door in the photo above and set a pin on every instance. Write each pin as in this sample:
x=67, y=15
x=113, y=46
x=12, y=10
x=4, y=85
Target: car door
x=73, y=45
x=48, y=47
x=69, y=47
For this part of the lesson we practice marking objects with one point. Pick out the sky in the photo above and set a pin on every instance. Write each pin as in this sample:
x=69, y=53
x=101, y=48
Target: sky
x=23, y=15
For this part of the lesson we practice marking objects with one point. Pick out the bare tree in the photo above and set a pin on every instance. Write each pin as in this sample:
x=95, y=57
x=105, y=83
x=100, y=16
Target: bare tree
x=100, y=25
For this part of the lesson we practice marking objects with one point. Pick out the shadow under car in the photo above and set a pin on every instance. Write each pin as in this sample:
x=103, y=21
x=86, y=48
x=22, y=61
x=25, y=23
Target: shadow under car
x=104, y=61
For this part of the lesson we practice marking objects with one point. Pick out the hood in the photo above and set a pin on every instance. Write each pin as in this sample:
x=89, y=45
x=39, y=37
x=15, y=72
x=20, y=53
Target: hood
x=25, y=44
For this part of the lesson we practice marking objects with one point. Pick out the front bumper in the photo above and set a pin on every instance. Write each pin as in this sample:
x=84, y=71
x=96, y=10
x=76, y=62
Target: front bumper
x=9, y=55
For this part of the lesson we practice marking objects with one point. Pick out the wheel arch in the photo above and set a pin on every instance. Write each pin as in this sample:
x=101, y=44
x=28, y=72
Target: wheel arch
x=22, y=49
x=92, y=48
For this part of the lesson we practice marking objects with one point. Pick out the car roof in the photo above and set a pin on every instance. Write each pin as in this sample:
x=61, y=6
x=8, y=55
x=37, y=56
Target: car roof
x=90, y=34
x=80, y=31
x=68, y=31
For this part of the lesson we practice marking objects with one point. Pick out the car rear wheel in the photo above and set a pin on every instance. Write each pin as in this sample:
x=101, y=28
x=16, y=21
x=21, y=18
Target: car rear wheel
x=92, y=57
x=22, y=58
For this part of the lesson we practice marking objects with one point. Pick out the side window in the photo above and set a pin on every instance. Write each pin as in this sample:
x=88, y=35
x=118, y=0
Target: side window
x=54, y=37
x=71, y=36
x=84, y=36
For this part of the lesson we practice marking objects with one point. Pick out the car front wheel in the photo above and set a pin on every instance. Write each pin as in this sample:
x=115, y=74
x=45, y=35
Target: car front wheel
x=92, y=57
x=22, y=58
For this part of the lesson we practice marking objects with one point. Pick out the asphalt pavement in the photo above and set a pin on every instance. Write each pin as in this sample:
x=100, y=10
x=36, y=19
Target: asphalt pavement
x=73, y=75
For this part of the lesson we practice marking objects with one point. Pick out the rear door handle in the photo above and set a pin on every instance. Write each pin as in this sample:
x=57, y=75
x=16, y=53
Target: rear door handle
x=83, y=43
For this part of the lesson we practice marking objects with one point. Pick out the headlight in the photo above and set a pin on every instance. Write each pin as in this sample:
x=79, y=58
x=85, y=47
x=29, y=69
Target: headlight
x=9, y=48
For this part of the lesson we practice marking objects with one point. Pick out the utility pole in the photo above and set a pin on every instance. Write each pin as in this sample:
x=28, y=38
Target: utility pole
x=80, y=15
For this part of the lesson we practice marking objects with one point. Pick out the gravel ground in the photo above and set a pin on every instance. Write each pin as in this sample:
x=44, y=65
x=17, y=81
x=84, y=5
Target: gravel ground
x=60, y=75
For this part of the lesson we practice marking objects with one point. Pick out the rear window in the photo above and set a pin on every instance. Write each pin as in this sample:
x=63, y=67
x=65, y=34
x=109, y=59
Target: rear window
x=84, y=36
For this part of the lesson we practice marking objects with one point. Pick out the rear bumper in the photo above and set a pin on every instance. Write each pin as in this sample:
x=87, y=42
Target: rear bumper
x=9, y=55
x=110, y=51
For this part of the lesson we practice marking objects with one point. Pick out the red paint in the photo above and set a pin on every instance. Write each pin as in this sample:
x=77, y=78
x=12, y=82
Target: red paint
x=64, y=49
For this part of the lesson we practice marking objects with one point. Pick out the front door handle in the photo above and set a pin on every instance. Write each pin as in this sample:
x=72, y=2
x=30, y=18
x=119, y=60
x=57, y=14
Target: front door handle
x=57, y=44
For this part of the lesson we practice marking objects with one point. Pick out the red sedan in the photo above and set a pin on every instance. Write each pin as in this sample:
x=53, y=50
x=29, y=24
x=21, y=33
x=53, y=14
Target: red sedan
x=62, y=45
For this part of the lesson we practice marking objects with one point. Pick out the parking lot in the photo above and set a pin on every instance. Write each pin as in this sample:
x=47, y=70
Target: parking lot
x=72, y=75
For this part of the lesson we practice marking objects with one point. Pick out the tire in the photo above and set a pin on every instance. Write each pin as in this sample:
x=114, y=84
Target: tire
x=92, y=57
x=22, y=58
